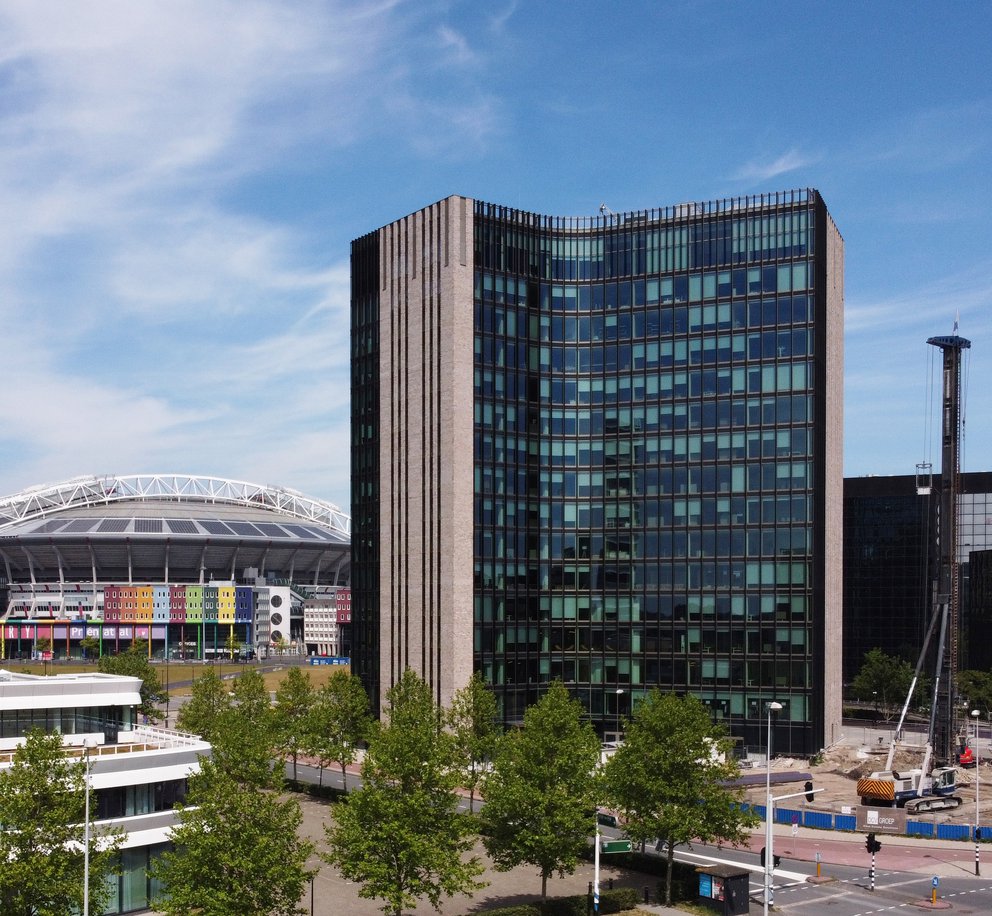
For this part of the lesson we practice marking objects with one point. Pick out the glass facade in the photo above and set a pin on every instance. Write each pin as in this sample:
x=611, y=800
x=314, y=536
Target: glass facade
x=650, y=430
x=890, y=566
x=644, y=494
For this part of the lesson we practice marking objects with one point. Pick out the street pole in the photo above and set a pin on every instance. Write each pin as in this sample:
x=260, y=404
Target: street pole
x=88, y=745
x=978, y=781
x=769, y=852
x=595, y=876
x=619, y=694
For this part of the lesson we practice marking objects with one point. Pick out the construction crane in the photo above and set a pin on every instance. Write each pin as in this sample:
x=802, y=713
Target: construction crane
x=922, y=789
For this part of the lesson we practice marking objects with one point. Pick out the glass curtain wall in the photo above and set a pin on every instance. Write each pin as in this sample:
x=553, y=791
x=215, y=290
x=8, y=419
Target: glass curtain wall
x=644, y=456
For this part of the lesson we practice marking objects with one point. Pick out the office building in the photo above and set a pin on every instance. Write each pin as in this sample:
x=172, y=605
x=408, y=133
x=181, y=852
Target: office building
x=604, y=450
x=138, y=773
x=890, y=566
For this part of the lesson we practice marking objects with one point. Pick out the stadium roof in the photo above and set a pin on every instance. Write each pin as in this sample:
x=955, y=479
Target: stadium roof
x=170, y=527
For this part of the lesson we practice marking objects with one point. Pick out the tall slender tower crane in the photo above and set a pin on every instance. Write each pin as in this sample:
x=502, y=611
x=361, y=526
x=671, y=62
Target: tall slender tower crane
x=946, y=597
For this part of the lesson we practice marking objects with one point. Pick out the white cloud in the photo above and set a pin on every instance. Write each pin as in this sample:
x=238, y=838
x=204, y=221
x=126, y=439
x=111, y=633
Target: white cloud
x=158, y=314
x=758, y=170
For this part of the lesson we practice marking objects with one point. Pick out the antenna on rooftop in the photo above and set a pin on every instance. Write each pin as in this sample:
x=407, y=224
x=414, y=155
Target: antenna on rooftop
x=606, y=211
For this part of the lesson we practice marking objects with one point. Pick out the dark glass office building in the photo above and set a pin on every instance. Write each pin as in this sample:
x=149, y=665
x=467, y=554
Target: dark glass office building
x=890, y=566
x=607, y=451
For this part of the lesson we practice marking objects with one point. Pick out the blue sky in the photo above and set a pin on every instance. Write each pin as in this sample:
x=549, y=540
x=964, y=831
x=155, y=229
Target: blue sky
x=180, y=183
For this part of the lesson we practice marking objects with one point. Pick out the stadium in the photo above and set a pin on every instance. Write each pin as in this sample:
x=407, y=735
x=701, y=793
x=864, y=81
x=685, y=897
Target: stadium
x=197, y=566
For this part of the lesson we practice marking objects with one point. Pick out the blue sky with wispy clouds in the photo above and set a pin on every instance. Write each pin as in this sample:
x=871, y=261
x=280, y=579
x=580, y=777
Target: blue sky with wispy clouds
x=180, y=182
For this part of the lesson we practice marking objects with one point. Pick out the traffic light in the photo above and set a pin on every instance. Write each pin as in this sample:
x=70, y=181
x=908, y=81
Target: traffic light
x=871, y=844
x=808, y=789
x=776, y=860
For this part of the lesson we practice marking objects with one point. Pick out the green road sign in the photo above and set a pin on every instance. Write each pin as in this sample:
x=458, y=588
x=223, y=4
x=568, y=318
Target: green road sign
x=615, y=846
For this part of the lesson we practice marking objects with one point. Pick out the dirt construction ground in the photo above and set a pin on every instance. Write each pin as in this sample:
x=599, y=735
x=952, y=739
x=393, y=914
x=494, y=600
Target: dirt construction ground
x=861, y=753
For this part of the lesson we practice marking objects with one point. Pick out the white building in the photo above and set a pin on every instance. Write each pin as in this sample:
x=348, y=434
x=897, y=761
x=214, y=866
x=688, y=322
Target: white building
x=138, y=772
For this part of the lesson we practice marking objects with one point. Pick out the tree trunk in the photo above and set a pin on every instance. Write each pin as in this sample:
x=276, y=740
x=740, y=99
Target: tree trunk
x=544, y=885
x=471, y=800
x=668, y=873
x=344, y=776
x=294, y=766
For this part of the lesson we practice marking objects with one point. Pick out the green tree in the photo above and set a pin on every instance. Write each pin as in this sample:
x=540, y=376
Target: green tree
x=244, y=742
x=473, y=722
x=201, y=713
x=542, y=790
x=90, y=646
x=400, y=835
x=667, y=778
x=884, y=680
x=339, y=721
x=291, y=714
x=42, y=806
x=976, y=687
x=237, y=851
x=133, y=662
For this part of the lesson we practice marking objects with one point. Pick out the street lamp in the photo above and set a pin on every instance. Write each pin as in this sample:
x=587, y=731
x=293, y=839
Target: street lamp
x=978, y=781
x=773, y=706
x=619, y=694
x=88, y=745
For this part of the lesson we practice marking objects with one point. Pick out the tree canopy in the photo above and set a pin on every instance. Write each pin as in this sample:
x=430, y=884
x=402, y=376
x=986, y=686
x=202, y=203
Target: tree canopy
x=339, y=721
x=292, y=714
x=42, y=807
x=542, y=790
x=475, y=728
x=237, y=851
x=884, y=680
x=976, y=687
x=667, y=779
x=400, y=835
x=244, y=740
x=133, y=662
x=201, y=713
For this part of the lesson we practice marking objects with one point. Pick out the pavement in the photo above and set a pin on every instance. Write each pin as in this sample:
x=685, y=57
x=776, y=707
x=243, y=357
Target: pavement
x=334, y=895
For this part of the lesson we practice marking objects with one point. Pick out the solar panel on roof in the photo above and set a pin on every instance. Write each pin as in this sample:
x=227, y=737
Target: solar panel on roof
x=148, y=525
x=181, y=526
x=82, y=524
x=114, y=524
x=300, y=531
x=216, y=527
x=273, y=531
x=243, y=528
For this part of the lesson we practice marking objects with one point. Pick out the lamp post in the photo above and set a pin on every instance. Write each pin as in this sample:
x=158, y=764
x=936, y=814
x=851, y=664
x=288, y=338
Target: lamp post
x=978, y=781
x=769, y=853
x=619, y=694
x=88, y=745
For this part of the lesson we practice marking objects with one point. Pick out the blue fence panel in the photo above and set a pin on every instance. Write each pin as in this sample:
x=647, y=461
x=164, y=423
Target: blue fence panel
x=953, y=831
x=821, y=819
x=919, y=828
x=787, y=816
x=845, y=822
x=760, y=810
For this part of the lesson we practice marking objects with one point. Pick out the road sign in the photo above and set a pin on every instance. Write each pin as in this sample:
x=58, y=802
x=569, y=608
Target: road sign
x=616, y=846
x=936, y=881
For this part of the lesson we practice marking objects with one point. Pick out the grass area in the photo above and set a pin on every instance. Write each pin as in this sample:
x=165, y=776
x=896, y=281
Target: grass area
x=178, y=676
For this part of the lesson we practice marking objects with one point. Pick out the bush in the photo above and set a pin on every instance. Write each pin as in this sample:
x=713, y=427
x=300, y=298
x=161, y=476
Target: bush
x=315, y=791
x=619, y=900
